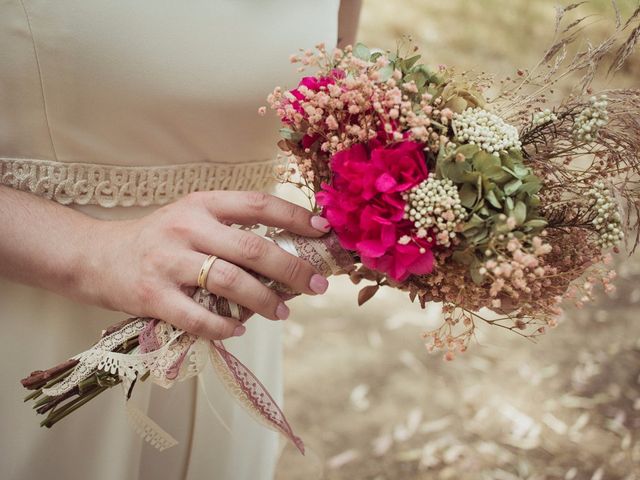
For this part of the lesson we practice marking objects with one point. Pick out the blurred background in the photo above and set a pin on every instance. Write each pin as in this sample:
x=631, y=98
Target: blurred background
x=368, y=399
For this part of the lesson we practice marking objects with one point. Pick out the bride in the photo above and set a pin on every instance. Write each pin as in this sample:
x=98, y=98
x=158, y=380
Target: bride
x=111, y=115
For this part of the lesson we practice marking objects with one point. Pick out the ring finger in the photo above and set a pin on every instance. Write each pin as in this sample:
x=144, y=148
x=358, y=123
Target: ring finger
x=235, y=284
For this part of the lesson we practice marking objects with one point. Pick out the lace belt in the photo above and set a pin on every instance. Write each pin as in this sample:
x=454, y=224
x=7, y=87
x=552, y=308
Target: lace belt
x=111, y=186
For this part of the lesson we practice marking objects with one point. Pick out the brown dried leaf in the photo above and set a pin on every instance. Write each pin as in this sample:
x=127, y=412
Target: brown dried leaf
x=366, y=293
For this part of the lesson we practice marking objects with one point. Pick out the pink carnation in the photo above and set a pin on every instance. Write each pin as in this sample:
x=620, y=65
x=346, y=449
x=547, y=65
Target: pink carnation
x=365, y=208
x=315, y=84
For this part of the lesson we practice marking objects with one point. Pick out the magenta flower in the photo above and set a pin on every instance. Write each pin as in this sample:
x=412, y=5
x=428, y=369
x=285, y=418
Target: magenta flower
x=365, y=208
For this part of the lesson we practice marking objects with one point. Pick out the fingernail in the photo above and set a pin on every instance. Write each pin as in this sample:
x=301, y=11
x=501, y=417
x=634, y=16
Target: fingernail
x=320, y=223
x=239, y=331
x=282, y=312
x=318, y=284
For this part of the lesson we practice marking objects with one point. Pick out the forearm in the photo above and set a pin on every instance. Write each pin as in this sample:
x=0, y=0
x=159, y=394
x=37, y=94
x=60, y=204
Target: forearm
x=43, y=244
x=348, y=21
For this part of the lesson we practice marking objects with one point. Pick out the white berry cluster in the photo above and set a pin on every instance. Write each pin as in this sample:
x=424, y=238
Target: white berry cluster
x=591, y=119
x=434, y=208
x=545, y=116
x=476, y=126
x=608, y=219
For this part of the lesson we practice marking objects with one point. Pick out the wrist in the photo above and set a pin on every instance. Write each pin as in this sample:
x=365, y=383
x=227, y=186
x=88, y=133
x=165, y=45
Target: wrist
x=87, y=261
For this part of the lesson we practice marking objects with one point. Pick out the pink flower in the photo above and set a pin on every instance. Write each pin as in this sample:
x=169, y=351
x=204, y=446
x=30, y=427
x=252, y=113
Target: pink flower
x=365, y=208
x=315, y=84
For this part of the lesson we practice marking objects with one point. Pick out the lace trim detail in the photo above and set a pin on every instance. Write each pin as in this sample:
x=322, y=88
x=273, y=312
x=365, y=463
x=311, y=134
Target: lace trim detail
x=115, y=186
x=90, y=359
x=148, y=429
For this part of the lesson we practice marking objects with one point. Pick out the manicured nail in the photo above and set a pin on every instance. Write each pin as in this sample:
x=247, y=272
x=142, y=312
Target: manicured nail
x=318, y=284
x=320, y=223
x=239, y=331
x=282, y=312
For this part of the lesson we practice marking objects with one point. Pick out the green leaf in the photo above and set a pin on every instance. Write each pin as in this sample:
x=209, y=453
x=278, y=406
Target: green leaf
x=490, y=196
x=464, y=257
x=418, y=77
x=468, y=195
x=289, y=134
x=496, y=173
x=520, y=212
x=509, y=203
x=521, y=171
x=534, y=201
x=410, y=62
x=473, y=222
x=512, y=187
x=362, y=52
x=531, y=187
x=385, y=73
x=478, y=237
x=536, y=223
x=468, y=151
x=509, y=170
x=476, y=276
x=483, y=161
x=454, y=170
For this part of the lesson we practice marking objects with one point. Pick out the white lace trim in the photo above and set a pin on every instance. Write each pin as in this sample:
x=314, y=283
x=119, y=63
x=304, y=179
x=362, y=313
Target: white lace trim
x=111, y=186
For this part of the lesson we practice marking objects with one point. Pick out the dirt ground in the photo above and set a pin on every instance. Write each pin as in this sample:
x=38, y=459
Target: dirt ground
x=371, y=403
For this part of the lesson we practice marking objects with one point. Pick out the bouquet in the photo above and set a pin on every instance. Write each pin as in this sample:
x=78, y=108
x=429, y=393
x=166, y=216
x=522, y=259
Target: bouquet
x=454, y=187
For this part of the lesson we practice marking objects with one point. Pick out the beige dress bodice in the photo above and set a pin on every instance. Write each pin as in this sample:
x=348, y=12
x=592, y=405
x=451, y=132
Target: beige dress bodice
x=115, y=107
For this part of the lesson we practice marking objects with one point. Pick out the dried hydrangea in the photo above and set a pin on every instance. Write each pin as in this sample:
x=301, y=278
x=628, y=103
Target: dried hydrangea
x=434, y=208
x=477, y=126
x=608, y=220
x=545, y=116
x=591, y=119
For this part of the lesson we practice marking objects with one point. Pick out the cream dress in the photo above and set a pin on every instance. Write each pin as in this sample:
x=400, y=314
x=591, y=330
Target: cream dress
x=115, y=107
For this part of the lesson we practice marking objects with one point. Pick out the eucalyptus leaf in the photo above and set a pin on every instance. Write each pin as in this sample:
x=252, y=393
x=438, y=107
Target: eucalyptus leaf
x=410, y=62
x=490, y=196
x=483, y=161
x=362, y=52
x=468, y=195
x=476, y=276
x=521, y=171
x=464, y=257
x=418, y=77
x=385, y=73
x=536, y=223
x=534, y=201
x=454, y=170
x=509, y=203
x=469, y=151
x=531, y=187
x=512, y=187
x=520, y=212
x=473, y=222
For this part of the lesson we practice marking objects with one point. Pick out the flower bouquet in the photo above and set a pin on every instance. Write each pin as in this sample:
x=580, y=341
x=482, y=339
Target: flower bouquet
x=453, y=187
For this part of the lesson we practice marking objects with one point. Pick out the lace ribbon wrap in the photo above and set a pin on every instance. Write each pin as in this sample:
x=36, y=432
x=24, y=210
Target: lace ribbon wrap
x=168, y=354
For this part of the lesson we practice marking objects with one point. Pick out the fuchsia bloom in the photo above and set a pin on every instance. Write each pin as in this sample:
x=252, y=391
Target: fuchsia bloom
x=315, y=84
x=365, y=208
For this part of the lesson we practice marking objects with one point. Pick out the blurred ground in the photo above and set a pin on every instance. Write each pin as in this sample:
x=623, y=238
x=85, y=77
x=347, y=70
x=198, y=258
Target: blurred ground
x=372, y=404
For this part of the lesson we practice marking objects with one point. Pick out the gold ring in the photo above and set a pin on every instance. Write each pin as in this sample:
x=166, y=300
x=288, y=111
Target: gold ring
x=204, y=271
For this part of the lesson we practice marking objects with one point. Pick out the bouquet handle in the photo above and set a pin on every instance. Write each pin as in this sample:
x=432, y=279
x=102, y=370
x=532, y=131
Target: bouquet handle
x=166, y=354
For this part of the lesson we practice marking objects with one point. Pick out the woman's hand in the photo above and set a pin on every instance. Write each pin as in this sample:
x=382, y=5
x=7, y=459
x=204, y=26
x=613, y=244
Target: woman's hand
x=149, y=267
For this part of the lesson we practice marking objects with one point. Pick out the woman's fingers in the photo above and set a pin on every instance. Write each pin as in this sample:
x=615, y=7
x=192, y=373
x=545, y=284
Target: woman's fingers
x=181, y=311
x=248, y=250
x=238, y=286
x=249, y=208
